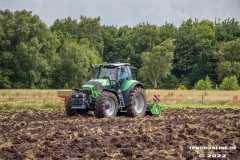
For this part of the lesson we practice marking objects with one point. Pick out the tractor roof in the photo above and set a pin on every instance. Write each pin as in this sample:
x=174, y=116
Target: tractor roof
x=115, y=64
x=118, y=64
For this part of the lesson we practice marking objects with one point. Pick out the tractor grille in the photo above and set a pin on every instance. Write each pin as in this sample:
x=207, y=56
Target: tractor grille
x=87, y=92
x=79, y=101
x=78, y=95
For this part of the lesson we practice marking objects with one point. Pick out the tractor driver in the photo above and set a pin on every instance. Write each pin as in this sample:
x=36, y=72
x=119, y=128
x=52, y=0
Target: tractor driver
x=122, y=75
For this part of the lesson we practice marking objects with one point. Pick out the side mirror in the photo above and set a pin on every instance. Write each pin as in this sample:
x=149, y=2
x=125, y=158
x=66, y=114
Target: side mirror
x=92, y=70
x=134, y=76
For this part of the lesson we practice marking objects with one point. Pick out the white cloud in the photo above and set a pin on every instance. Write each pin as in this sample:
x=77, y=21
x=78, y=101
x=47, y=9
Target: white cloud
x=128, y=12
x=37, y=1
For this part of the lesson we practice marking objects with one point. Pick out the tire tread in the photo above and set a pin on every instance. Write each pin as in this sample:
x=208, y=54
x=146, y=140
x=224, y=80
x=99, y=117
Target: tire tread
x=130, y=108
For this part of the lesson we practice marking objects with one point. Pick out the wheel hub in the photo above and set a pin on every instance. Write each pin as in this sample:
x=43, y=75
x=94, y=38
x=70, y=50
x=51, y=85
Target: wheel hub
x=110, y=106
x=139, y=103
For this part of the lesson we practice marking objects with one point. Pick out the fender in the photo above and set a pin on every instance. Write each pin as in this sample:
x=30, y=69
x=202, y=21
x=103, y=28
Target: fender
x=126, y=89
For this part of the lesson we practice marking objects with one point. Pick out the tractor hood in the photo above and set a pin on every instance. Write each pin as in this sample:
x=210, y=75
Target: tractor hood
x=98, y=84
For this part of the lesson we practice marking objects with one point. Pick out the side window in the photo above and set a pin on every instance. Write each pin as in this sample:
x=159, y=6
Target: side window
x=123, y=71
x=113, y=73
x=129, y=73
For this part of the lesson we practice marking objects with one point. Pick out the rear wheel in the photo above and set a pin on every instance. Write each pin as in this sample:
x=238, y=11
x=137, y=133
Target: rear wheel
x=68, y=107
x=106, y=105
x=137, y=103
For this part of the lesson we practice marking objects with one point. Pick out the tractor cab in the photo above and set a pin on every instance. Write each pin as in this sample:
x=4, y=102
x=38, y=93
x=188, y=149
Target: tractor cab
x=114, y=69
x=116, y=73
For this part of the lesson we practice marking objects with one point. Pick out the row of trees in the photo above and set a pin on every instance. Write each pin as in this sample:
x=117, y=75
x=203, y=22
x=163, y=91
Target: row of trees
x=33, y=55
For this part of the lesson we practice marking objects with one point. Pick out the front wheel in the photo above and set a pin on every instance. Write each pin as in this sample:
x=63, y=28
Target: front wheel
x=137, y=103
x=68, y=107
x=106, y=105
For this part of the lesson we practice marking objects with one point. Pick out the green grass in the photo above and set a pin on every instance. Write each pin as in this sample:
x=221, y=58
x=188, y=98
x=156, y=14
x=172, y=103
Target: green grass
x=32, y=104
x=193, y=98
x=27, y=98
x=198, y=105
x=52, y=105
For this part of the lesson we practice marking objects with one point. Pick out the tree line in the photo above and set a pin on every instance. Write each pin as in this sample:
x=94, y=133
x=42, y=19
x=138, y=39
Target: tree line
x=33, y=55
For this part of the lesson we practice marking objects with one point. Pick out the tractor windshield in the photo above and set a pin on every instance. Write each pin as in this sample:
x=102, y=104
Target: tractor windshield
x=108, y=73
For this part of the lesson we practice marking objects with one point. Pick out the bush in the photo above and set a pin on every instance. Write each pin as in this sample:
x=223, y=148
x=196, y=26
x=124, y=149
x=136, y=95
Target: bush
x=204, y=84
x=171, y=82
x=182, y=87
x=230, y=83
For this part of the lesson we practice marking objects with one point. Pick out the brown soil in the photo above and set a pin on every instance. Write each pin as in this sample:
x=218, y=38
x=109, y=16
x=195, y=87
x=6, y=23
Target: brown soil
x=38, y=134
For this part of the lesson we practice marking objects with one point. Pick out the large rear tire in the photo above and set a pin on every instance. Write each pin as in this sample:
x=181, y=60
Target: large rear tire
x=68, y=107
x=137, y=103
x=106, y=105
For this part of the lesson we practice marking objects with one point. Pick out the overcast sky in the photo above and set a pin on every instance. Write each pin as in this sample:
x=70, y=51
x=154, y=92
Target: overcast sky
x=128, y=12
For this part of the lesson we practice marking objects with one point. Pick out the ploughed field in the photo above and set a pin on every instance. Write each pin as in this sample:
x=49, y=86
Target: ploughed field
x=50, y=134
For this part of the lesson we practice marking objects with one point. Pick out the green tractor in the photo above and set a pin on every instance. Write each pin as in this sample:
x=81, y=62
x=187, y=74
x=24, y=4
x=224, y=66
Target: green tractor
x=115, y=90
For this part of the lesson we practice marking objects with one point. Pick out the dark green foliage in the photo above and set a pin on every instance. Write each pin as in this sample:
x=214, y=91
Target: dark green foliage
x=27, y=51
x=33, y=55
x=171, y=82
x=228, y=57
x=74, y=60
x=227, y=30
x=193, y=55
